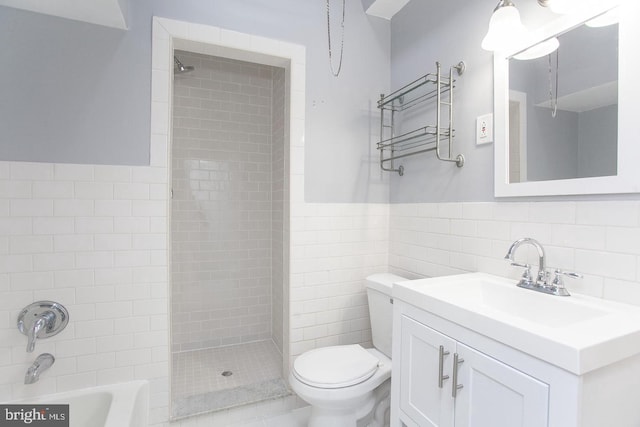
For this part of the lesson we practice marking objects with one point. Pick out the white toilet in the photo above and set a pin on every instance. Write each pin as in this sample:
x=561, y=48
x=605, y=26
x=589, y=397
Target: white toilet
x=348, y=385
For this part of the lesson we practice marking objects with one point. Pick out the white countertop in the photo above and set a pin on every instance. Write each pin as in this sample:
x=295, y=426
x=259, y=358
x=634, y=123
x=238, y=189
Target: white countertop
x=577, y=333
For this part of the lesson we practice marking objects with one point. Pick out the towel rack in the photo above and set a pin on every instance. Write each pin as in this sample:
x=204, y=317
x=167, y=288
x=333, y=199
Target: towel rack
x=433, y=88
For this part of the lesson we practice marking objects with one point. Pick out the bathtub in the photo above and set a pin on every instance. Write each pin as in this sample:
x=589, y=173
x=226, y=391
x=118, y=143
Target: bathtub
x=116, y=405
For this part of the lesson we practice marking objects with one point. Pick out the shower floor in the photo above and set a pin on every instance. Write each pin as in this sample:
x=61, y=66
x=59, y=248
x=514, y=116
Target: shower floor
x=252, y=372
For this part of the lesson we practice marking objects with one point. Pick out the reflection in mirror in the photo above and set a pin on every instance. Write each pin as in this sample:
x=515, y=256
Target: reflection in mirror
x=563, y=109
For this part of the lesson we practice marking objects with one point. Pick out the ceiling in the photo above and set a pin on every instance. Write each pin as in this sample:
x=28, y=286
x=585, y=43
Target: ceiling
x=113, y=13
x=110, y=13
x=383, y=8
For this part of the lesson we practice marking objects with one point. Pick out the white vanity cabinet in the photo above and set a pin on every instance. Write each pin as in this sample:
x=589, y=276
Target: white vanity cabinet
x=509, y=377
x=487, y=391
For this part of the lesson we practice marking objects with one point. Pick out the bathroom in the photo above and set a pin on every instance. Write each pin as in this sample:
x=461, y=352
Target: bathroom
x=84, y=188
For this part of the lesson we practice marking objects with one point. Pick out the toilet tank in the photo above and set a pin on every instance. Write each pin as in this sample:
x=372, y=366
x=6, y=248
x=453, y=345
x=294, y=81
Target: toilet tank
x=381, y=309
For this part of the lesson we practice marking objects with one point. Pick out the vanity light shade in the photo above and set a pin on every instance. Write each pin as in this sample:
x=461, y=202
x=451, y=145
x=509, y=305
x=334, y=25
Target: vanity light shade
x=541, y=49
x=505, y=28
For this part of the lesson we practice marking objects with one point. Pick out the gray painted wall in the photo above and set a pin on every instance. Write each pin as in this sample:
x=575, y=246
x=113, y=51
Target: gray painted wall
x=73, y=92
x=422, y=34
x=80, y=93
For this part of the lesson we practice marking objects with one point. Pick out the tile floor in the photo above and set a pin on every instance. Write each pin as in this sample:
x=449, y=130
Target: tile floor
x=295, y=418
x=216, y=378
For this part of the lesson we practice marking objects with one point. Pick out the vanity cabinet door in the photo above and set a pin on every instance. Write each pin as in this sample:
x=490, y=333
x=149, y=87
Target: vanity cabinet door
x=421, y=397
x=497, y=395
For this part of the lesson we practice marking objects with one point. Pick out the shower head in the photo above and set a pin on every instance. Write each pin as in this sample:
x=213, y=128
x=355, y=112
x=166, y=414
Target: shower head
x=180, y=68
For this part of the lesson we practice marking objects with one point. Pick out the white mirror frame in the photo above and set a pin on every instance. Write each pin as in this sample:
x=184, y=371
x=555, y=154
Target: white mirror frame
x=628, y=178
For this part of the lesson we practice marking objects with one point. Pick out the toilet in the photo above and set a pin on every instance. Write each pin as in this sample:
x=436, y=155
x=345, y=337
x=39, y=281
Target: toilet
x=348, y=385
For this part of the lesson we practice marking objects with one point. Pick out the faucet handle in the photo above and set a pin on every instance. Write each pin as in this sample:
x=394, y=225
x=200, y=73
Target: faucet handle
x=558, y=283
x=570, y=274
x=526, y=278
x=517, y=264
x=42, y=319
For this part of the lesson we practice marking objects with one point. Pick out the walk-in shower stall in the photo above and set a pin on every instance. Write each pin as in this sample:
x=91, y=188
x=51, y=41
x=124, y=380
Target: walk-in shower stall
x=228, y=232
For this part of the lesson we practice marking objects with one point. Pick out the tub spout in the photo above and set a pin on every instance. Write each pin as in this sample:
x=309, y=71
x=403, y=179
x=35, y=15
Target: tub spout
x=41, y=364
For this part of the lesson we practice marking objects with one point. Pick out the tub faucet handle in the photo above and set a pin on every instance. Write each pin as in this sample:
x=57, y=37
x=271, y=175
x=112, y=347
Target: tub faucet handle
x=41, y=324
x=42, y=319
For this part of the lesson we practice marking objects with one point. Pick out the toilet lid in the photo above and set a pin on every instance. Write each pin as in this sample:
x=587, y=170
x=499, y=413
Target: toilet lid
x=335, y=367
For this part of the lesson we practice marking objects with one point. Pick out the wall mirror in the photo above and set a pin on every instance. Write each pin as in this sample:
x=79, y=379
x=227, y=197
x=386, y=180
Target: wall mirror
x=564, y=123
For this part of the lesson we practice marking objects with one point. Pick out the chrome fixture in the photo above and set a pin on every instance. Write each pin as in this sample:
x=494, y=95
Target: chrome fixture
x=436, y=89
x=180, y=68
x=542, y=273
x=541, y=282
x=41, y=364
x=42, y=319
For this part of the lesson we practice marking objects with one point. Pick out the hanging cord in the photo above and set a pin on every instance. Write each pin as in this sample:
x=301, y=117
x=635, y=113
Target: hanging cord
x=553, y=101
x=335, y=73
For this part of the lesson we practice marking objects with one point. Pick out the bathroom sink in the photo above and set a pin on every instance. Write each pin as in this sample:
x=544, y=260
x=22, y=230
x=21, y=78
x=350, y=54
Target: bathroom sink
x=494, y=295
x=577, y=333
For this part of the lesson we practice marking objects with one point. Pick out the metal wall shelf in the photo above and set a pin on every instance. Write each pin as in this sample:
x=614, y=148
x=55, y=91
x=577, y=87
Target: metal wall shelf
x=430, y=87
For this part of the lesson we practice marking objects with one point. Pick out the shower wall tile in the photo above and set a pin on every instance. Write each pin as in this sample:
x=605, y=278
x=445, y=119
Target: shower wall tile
x=225, y=156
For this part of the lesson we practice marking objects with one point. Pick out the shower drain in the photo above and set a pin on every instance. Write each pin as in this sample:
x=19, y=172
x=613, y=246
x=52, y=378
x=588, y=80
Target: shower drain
x=226, y=373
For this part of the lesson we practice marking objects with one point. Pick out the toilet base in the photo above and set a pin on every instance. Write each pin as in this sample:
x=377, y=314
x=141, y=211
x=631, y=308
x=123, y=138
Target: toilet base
x=371, y=411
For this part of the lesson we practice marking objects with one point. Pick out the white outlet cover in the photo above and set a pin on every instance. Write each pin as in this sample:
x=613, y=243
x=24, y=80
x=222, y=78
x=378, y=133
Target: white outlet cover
x=484, y=129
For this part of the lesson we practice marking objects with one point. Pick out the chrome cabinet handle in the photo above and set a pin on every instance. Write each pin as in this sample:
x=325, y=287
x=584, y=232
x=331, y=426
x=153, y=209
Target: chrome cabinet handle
x=455, y=386
x=442, y=377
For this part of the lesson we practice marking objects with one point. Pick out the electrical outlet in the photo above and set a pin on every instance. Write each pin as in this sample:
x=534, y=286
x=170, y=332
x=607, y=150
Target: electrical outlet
x=484, y=129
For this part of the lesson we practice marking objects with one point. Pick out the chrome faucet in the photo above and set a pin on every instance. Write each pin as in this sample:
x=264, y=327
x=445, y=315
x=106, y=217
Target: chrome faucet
x=542, y=272
x=41, y=364
x=541, y=283
x=42, y=319
x=42, y=324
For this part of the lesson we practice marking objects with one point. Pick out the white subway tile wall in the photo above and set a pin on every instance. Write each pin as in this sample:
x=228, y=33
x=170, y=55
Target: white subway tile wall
x=114, y=282
x=67, y=239
x=599, y=239
x=333, y=248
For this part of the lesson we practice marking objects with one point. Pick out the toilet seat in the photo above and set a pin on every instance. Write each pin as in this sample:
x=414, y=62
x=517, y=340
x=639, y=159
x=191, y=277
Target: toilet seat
x=335, y=367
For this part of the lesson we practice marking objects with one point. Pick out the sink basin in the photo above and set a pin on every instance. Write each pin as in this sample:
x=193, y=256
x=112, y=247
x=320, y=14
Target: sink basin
x=577, y=333
x=510, y=300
